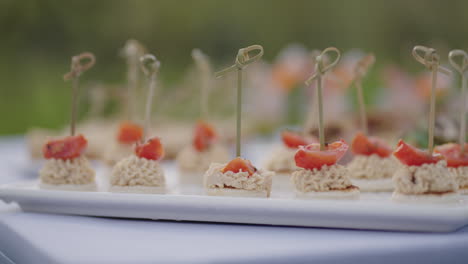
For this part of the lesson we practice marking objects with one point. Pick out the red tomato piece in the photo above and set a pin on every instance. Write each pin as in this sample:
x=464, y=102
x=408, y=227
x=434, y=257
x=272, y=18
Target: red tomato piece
x=363, y=145
x=205, y=136
x=239, y=164
x=129, y=133
x=294, y=140
x=412, y=156
x=152, y=149
x=67, y=148
x=310, y=157
x=452, y=155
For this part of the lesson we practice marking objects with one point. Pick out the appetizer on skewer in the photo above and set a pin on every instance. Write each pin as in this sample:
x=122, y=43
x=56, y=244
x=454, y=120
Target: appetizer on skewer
x=204, y=150
x=127, y=136
x=141, y=171
x=239, y=177
x=320, y=176
x=65, y=166
x=205, y=147
x=424, y=175
x=456, y=155
x=372, y=167
x=282, y=158
x=129, y=132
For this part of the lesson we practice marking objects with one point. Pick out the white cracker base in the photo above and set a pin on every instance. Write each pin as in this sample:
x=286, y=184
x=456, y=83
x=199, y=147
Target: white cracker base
x=451, y=197
x=137, y=189
x=377, y=185
x=90, y=187
x=352, y=194
x=235, y=192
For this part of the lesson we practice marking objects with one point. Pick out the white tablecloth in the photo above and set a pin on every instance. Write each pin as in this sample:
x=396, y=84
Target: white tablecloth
x=42, y=238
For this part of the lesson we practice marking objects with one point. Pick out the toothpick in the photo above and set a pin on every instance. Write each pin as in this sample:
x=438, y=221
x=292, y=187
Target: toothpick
x=462, y=70
x=132, y=51
x=311, y=121
x=431, y=61
x=204, y=67
x=311, y=118
x=242, y=60
x=320, y=70
x=362, y=67
x=77, y=68
x=150, y=66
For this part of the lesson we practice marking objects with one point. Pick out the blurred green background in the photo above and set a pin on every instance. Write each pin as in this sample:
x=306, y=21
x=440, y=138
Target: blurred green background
x=39, y=37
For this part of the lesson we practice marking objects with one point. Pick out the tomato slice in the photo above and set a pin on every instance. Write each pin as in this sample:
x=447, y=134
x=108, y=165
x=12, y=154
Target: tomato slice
x=412, y=156
x=452, y=155
x=129, y=133
x=293, y=139
x=363, y=145
x=310, y=157
x=239, y=165
x=205, y=136
x=152, y=149
x=67, y=148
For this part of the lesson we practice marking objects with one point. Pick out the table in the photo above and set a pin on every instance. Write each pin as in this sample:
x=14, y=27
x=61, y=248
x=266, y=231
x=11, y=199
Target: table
x=43, y=238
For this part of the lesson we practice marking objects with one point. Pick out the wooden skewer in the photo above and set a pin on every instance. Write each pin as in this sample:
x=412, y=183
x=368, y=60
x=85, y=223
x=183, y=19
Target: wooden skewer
x=77, y=68
x=462, y=69
x=320, y=70
x=132, y=51
x=243, y=59
x=150, y=66
x=362, y=67
x=430, y=59
x=204, y=67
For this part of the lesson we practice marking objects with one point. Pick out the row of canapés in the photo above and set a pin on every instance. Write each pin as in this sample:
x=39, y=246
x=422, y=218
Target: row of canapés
x=313, y=166
x=414, y=174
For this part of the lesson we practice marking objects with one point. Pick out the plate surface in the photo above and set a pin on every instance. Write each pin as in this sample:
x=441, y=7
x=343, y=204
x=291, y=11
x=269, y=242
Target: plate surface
x=371, y=211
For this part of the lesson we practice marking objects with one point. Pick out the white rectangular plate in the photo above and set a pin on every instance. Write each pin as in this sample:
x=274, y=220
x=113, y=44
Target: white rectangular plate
x=371, y=211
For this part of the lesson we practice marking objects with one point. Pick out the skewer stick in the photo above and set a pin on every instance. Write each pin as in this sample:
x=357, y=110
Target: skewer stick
x=362, y=67
x=311, y=118
x=132, y=51
x=77, y=68
x=431, y=61
x=462, y=70
x=203, y=64
x=243, y=59
x=320, y=70
x=150, y=66
x=311, y=121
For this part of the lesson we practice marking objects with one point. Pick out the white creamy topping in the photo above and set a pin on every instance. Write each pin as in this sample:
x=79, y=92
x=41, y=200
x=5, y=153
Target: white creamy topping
x=71, y=171
x=117, y=151
x=327, y=178
x=372, y=167
x=189, y=159
x=135, y=171
x=427, y=178
x=259, y=181
x=461, y=176
x=282, y=160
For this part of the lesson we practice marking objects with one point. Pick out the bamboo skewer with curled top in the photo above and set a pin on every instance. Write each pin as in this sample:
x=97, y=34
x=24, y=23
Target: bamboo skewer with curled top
x=320, y=70
x=77, y=68
x=204, y=66
x=462, y=69
x=132, y=51
x=430, y=60
x=361, y=69
x=312, y=115
x=150, y=66
x=243, y=59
